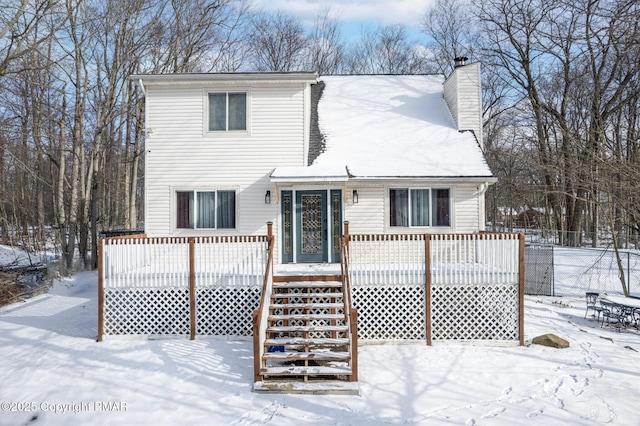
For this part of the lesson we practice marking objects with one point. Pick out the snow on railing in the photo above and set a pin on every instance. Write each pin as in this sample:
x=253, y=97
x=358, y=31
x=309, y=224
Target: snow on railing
x=236, y=260
x=486, y=258
x=145, y=262
x=386, y=259
x=165, y=262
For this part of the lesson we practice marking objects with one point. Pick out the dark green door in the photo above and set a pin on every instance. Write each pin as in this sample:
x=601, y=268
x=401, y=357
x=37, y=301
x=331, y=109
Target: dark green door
x=336, y=224
x=312, y=230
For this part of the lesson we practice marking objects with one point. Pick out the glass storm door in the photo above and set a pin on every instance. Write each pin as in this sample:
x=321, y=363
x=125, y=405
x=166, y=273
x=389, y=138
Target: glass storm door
x=287, y=226
x=336, y=224
x=311, y=231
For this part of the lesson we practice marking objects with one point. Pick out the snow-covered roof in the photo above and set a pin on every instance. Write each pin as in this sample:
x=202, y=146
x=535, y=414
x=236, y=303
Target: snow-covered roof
x=389, y=126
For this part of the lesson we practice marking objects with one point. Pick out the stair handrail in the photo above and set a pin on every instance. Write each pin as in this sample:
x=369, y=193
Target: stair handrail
x=344, y=272
x=259, y=316
x=350, y=312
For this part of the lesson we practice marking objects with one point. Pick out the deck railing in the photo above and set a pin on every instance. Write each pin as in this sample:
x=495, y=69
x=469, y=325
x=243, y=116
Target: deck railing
x=238, y=260
x=133, y=270
x=468, y=286
x=453, y=258
x=351, y=313
x=487, y=258
x=156, y=262
x=260, y=316
x=405, y=287
x=384, y=258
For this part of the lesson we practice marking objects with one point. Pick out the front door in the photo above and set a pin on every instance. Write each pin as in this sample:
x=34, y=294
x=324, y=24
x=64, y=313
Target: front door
x=311, y=225
x=312, y=230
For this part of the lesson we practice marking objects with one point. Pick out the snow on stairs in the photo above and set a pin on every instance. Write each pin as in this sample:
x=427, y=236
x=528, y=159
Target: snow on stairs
x=307, y=346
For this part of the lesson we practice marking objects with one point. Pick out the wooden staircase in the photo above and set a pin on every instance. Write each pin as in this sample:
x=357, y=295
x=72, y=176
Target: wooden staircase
x=308, y=342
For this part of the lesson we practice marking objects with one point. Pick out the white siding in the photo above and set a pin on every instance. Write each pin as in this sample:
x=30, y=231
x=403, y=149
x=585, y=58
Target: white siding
x=180, y=155
x=467, y=213
x=368, y=216
x=371, y=214
x=462, y=92
x=451, y=95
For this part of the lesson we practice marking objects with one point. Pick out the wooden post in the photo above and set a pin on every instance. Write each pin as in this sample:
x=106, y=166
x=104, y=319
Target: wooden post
x=353, y=329
x=269, y=230
x=346, y=233
x=427, y=289
x=521, y=288
x=192, y=288
x=345, y=242
x=257, y=362
x=100, y=291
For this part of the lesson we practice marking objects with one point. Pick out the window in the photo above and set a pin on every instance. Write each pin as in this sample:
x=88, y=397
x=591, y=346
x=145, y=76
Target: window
x=205, y=209
x=419, y=207
x=227, y=111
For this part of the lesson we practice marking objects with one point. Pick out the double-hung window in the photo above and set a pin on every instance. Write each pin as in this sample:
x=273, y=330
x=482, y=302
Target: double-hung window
x=205, y=209
x=227, y=111
x=419, y=207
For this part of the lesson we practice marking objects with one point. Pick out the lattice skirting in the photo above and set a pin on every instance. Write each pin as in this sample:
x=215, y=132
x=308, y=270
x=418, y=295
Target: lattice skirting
x=222, y=311
x=145, y=311
x=474, y=312
x=385, y=312
x=226, y=311
x=390, y=312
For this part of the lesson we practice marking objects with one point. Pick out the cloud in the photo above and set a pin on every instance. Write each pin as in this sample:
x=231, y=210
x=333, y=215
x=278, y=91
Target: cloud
x=386, y=12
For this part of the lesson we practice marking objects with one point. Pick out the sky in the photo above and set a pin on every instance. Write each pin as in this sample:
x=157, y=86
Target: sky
x=355, y=14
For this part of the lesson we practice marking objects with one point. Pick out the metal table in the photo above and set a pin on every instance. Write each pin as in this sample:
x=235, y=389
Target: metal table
x=621, y=300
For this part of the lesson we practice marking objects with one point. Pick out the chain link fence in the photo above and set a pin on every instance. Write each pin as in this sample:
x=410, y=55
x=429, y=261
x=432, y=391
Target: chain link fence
x=538, y=270
x=564, y=271
x=587, y=239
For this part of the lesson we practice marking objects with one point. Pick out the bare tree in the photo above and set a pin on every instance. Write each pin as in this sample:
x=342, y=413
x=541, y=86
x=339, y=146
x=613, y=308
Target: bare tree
x=573, y=65
x=450, y=26
x=325, y=49
x=25, y=25
x=387, y=50
x=277, y=42
x=201, y=34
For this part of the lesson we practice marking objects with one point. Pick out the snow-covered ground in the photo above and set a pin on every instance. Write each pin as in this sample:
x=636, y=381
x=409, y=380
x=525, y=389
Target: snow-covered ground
x=54, y=372
x=13, y=257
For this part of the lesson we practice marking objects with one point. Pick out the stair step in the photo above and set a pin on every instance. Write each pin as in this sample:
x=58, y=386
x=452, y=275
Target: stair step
x=304, y=371
x=307, y=328
x=306, y=305
x=321, y=356
x=301, y=341
x=309, y=284
x=306, y=277
x=304, y=295
x=325, y=387
x=306, y=317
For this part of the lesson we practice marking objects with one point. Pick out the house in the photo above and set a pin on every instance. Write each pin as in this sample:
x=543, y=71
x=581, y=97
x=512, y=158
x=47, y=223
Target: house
x=379, y=178
x=530, y=218
x=228, y=153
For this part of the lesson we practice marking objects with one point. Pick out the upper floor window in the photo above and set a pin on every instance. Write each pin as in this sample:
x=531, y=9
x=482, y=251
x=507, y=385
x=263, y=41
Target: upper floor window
x=205, y=209
x=227, y=111
x=419, y=207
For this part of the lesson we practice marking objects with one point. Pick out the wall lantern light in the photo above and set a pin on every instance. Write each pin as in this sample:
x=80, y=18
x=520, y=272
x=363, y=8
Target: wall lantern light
x=355, y=196
x=267, y=197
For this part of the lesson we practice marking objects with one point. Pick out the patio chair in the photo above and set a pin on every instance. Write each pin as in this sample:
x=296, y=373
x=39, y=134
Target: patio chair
x=592, y=305
x=635, y=318
x=613, y=314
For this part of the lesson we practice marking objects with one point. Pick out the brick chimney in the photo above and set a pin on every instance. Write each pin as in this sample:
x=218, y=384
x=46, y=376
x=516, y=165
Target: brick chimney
x=463, y=94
